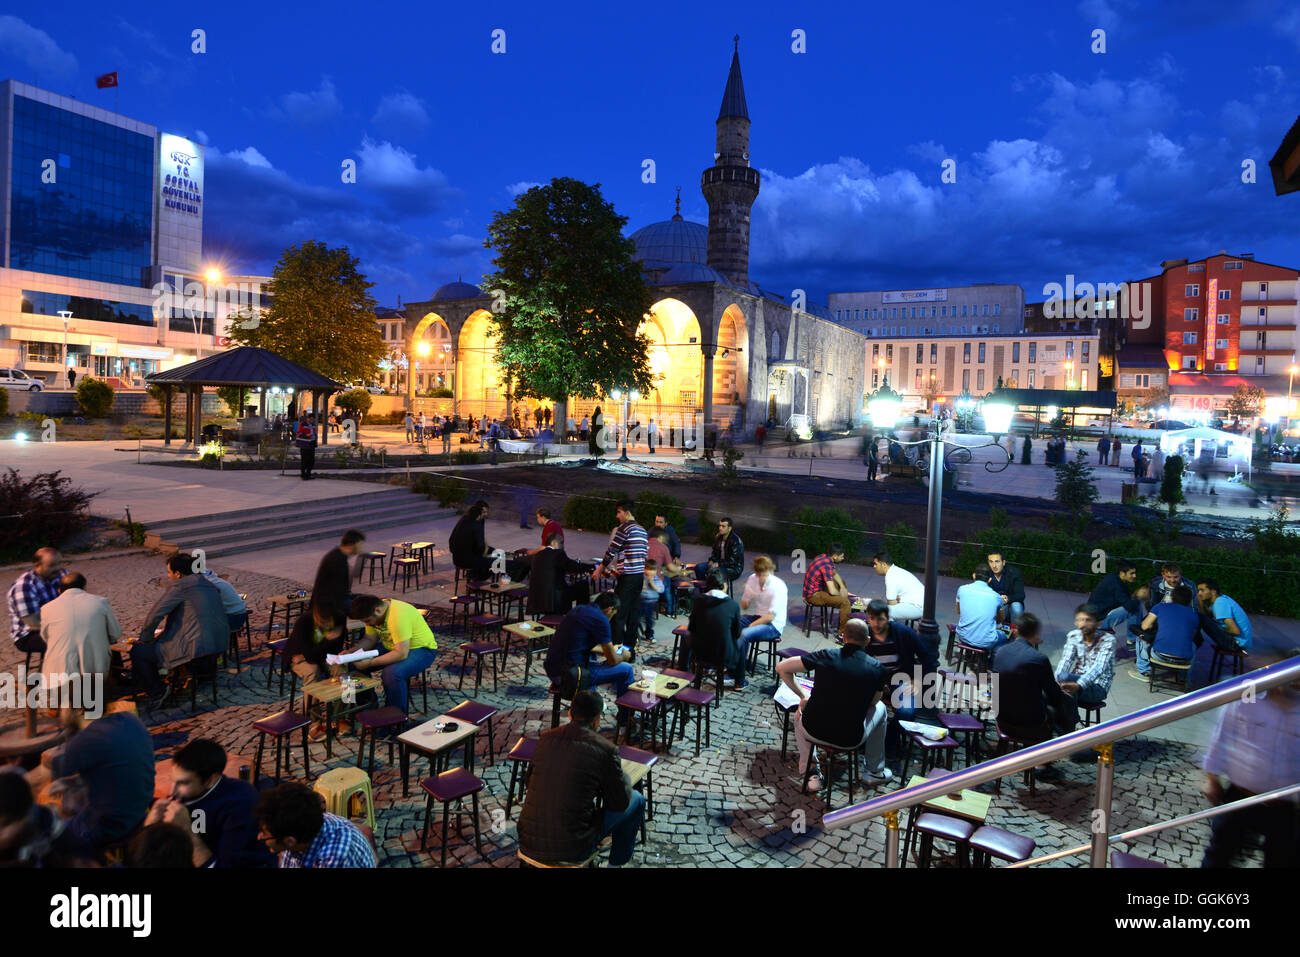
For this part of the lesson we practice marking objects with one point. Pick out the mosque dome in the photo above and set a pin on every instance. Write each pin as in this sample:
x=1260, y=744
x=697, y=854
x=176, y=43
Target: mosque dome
x=456, y=290
x=674, y=241
x=692, y=272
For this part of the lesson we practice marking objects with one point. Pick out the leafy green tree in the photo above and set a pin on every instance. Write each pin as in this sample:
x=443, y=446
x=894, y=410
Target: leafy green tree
x=1076, y=488
x=322, y=315
x=1171, y=484
x=1154, y=401
x=569, y=296
x=1245, y=402
x=354, y=401
x=95, y=397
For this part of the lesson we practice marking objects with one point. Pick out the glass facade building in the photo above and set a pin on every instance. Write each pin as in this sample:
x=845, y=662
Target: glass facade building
x=94, y=220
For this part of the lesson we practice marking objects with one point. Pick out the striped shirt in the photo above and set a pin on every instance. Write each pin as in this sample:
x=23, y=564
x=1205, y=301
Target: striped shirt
x=1094, y=664
x=628, y=545
x=821, y=571
x=339, y=843
x=26, y=596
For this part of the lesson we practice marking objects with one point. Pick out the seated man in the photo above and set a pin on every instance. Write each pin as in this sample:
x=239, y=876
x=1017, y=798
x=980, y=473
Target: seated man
x=31, y=834
x=160, y=845
x=194, y=626
x=113, y=756
x=32, y=590
x=1163, y=585
x=573, y=769
x=903, y=591
x=822, y=584
x=728, y=554
x=764, y=601
x=1031, y=705
x=295, y=826
x=715, y=630
x=214, y=810
x=1223, y=610
x=1111, y=597
x=1177, y=632
x=548, y=591
x=977, y=611
x=236, y=609
x=845, y=710
x=1006, y=581
x=657, y=549
x=409, y=647
x=468, y=543
x=77, y=628
x=584, y=630
x=1087, y=665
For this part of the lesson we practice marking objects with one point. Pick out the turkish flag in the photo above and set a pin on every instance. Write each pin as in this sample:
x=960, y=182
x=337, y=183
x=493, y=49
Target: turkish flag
x=107, y=80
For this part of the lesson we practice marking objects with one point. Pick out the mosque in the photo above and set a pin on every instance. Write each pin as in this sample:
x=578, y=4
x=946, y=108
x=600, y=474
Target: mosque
x=721, y=345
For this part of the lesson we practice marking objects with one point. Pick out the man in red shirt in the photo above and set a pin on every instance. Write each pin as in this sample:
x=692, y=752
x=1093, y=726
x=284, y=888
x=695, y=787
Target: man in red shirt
x=549, y=527
x=822, y=585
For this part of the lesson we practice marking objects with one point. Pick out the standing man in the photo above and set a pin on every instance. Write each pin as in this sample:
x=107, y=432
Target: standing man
x=903, y=591
x=1115, y=447
x=845, y=710
x=1103, y=449
x=549, y=528
x=1138, y=455
x=650, y=433
x=334, y=577
x=77, y=628
x=822, y=584
x=574, y=767
x=873, y=459
x=447, y=430
x=625, y=557
x=305, y=439
x=1006, y=581
x=72, y=379
x=570, y=428
x=409, y=424
x=30, y=592
x=728, y=554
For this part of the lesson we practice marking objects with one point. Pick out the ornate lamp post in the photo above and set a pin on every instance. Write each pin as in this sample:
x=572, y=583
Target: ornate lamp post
x=627, y=398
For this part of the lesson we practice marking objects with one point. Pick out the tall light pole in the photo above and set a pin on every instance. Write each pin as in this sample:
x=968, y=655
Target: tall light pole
x=65, y=315
x=626, y=398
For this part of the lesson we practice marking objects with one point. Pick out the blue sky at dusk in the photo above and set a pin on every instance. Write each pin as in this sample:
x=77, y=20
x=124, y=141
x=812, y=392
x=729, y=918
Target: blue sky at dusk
x=1068, y=161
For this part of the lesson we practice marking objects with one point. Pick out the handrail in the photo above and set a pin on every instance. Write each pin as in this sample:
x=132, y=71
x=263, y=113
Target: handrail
x=1213, y=696
x=1166, y=825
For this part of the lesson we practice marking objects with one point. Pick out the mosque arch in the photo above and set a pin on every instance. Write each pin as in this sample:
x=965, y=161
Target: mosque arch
x=481, y=388
x=432, y=352
x=731, y=362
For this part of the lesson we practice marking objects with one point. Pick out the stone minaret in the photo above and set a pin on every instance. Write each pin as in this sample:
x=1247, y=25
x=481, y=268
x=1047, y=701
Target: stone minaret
x=730, y=185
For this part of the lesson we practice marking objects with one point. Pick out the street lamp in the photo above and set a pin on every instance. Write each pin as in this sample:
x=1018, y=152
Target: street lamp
x=884, y=405
x=65, y=315
x=627, y=398
x=998, y=411
x=1069, y=375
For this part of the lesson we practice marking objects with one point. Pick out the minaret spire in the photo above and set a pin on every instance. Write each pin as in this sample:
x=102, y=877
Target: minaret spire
x=677, y=211
x=731, y=185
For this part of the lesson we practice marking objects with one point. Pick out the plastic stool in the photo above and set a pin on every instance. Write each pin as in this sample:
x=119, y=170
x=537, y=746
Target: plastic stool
x=339, y=786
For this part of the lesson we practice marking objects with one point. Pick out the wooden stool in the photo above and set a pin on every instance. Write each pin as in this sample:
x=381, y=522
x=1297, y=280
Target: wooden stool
x=1236, y=655
x=825, y=626
x=1091, y=713
x=989, y=842
x=784, y=653
x=785, y=714
x=247, y=626
x=550, y=621
x=478, y=715
x=407, y=567
x=521, y=766
x=968, y=656
x=952, y=641
x=646, y=784
x=233, y=649
x=195, y=668
x=755, y=650
x=972, y=728
x=931, y=826
x=478, y=649
x=424, y=552
x=340, y=786
x=526, y=861
x=632, y=703
x=685, y=699
x=1174, y=666
x=1007, y=744
x=557, y=699
x=681, y=646
x=930, y=751
x=702, y=671
x=27, y=662
x=277, y=654
x=277, y=726
x=371, y=722
x=833, y=754
x=1121, y=859
x=454, y=785
x=464, y=604
x=372, y=560
x=913, y=814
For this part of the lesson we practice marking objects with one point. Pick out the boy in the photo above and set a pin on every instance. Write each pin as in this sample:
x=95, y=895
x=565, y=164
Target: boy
x=652, y=589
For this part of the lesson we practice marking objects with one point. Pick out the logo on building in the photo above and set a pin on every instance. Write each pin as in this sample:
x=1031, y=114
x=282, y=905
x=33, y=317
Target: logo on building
x=180, y=176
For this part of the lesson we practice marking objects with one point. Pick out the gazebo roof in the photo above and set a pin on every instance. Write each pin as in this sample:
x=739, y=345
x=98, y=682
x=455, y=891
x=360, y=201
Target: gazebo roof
x=244, y=366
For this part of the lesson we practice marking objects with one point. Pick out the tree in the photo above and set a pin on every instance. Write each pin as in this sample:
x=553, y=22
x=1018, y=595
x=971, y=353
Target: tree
x=569, y=296
x=1245, y=402
x=95, y=397
x=354, y=401
x=321, y=316
x=1076, y=489
x=1154, y=400
x=1171, y=484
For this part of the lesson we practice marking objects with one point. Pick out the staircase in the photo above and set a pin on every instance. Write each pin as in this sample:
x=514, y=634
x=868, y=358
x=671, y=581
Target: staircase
x=258, y=529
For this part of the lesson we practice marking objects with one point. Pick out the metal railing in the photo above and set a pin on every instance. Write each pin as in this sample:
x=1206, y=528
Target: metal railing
x=1099, y=736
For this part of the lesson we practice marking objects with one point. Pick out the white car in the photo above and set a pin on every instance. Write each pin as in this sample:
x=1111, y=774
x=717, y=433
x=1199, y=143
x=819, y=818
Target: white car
x=20, y=380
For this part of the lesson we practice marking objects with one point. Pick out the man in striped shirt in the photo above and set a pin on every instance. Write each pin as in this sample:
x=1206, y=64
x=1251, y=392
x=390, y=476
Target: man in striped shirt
x=625, y=558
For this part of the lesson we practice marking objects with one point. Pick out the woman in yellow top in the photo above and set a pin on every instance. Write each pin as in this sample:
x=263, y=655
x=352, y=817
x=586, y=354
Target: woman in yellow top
x=408, y=645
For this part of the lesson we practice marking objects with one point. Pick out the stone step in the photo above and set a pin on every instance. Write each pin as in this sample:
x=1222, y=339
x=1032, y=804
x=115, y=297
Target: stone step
x=278, y=514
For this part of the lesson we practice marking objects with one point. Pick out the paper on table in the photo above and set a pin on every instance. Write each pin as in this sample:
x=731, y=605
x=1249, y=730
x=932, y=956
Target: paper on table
x=349, y=658
x=930, y=731
x=787, y=698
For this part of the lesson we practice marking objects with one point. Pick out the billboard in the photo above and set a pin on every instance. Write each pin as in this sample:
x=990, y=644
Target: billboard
x=1211, y=319
x=180, y=203
x=915, y=295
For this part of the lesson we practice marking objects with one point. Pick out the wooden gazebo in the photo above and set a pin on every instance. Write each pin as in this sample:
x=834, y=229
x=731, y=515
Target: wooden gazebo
x=245, y=368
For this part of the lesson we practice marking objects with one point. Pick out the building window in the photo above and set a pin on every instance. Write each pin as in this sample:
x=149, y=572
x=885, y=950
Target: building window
x=1189, y=362
x=965, y=380
x=875, y=350
x=1189, y=338
x=920, y=350
x=1221, y=367
x=1233, y=264
x=1015, y=352
x=997, y=309
x=1263, y=289
x=965, y=352
x=889, y=352
x=1220, y=343
x=1192, y=290
x=43, y=352
x=943, y=311
x=1033, y=353
x=1225, y=293
x=893, y=313
x=963, y=311
x=1191, y=315
x=934, y=352
x=1085, y=351
x=1031, y=378
x=918, y=380
x=1259, y=365
x=875, y=378
x=1196, y=267
x=981, y=359
x=979, y=380
x=986, y=308
x=1069, y=349
x=1083, y=379
x=934, y=311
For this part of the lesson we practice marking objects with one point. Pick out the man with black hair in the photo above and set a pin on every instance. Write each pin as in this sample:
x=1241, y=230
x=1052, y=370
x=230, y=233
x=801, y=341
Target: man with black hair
x=1087, y=665
x=1177, y=629
x=574, y=768
x=674, y=543
x=977, y=611
x=1031, y=704
x=30, y=592
x=1007, y=582
x=1163, y=585
x=715, y=630
x=1113, y=599
x=584, y=630
x=161, y=845
x=625, y=558
x=823, y=586
x=728, y=553
x=296, y=827
x=31, y=834
x=304, y=437
x=334, y=577
x=1221, y=617
x=468, y=542
x=845, y=710
x=406, y=644
x=903, y=590
x=193, y=626
x=113, y=756
x=215, y=810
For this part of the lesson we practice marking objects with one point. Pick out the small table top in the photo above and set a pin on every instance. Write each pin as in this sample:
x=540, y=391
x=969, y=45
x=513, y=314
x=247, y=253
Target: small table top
x=528, y=629
x=660, y=687
x=331, y=689
x=971, y=805
x=290, y=599
x=499, y=588
x=636, y=771
x=424, y=738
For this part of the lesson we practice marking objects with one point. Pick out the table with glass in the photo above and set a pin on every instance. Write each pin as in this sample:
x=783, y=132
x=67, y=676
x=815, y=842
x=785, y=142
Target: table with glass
x=532, y=632
x=337, y=701
x=428, y=740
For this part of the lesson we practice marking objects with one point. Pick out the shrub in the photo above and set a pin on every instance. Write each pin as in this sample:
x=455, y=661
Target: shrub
x=42, y=510
x=354, y=400
x=441, y=393
x=1171, y=486
x=4, y=401
x=770, y=540
x=707, y=529
x=1076, y=488
x=903, y=542
x=1273, y=537
x=593, y=511
x=728, y=474
x=815, y=529
x=228, y=394
x=94, y=397
x=449, y=491
x=650, y=504
x=468, y=458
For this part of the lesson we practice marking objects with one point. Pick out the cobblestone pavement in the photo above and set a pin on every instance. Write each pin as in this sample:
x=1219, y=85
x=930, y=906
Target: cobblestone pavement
x=737, y=804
